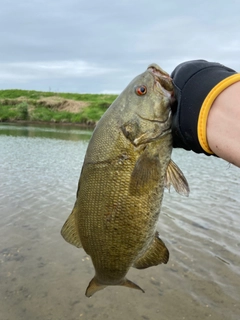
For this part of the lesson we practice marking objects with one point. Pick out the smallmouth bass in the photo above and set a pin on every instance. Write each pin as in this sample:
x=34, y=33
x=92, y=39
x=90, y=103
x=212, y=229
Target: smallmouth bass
x=126, y=167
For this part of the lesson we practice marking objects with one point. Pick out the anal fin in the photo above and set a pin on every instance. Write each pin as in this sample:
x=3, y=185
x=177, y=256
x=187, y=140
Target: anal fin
x=69, y=230
x=156, y=254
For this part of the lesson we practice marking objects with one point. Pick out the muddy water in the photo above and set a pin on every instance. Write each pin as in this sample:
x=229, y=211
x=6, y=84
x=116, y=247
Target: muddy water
x=43, y=277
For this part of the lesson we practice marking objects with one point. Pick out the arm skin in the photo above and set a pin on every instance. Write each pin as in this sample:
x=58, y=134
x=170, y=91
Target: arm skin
x=223, y=125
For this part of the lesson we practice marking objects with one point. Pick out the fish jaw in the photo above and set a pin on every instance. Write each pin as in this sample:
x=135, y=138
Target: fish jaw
x=162, y=76
x=95, y=285
x=164, y=128
x=163, y=81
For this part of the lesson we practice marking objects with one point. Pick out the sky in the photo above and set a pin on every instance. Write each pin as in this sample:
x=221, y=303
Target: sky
x=99, y=46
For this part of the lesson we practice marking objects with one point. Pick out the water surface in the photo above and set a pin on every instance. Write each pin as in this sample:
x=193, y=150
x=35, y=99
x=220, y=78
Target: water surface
x=43, y=277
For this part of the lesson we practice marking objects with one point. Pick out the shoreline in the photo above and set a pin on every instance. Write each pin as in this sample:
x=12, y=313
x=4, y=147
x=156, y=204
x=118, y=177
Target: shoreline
x=36, y=107
x=63, y=124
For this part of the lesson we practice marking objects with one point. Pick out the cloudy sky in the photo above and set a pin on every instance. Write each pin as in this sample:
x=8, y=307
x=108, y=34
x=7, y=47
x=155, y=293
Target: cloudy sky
x=99, y=46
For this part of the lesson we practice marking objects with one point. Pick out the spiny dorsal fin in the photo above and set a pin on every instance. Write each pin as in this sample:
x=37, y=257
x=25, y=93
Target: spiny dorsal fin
x=69, y=230
x=175, y=177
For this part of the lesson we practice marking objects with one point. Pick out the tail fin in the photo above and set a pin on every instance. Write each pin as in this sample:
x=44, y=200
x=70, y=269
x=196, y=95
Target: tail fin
x=95, y=285
x=130, y=284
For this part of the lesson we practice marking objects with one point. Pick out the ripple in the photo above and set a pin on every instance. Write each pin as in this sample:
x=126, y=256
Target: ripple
x=39, y=177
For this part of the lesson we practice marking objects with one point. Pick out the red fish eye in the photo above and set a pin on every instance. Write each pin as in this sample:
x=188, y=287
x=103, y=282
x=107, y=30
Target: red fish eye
x=141, y=90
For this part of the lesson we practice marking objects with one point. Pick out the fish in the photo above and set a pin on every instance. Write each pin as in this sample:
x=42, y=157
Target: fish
x=127, y=165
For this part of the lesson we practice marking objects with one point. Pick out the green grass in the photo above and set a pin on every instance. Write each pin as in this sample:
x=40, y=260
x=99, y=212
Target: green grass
x=35, y=95
x=25, y=105
x=19, y=112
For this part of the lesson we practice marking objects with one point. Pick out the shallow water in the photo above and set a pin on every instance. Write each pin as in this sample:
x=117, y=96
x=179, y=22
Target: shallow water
x=43, y=277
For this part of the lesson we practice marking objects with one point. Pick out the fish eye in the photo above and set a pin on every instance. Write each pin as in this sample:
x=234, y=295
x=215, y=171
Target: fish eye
x=141, y=90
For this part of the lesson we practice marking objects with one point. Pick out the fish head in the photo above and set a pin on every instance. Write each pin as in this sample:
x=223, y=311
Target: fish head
x=147, y=106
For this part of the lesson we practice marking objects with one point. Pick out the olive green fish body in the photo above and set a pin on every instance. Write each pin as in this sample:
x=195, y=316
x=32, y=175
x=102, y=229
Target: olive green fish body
x=122, y=213
x=122, y=182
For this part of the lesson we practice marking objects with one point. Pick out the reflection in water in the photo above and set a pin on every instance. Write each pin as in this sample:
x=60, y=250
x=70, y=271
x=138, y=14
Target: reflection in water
x=45, y=131
x=43, y=277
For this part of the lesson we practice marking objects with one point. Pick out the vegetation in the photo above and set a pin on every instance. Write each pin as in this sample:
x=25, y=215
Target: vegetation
x=24, y=105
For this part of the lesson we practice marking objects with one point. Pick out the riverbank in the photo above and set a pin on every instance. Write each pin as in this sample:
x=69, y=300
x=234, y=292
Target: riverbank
x=50, y=107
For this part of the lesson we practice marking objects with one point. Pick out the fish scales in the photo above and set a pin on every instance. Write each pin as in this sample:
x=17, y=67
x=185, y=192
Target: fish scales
x=127, y=164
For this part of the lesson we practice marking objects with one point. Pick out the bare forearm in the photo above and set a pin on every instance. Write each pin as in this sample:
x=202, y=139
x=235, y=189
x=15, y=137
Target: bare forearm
x=223, y=125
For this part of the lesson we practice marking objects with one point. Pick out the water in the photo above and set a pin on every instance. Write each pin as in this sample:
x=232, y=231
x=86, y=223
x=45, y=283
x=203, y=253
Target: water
x=43, y=277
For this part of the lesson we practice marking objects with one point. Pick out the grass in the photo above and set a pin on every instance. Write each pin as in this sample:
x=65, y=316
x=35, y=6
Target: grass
x=25, y=105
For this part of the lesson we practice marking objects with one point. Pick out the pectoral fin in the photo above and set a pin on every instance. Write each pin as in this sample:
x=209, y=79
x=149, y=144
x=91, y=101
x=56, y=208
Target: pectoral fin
x=69, y=230
x=156, y=254
x=175, y=177
x=145, y=172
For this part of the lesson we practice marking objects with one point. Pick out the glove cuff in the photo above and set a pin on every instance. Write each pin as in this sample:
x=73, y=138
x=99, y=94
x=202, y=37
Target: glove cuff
x=195, y=92
x=206, y=106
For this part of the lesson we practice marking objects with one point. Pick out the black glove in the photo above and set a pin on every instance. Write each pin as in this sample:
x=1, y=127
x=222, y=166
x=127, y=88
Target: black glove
x=193, y=81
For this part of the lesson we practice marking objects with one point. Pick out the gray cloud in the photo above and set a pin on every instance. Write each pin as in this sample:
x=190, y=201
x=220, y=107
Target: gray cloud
x=99, y=46
x=61, y=69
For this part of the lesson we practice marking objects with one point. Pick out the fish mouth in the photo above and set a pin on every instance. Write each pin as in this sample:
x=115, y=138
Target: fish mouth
x=164, y=121
x=163, y=80
x=165, y=125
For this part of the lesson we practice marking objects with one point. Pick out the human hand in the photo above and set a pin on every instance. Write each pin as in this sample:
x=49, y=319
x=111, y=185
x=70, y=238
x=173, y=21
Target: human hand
x=197, y=84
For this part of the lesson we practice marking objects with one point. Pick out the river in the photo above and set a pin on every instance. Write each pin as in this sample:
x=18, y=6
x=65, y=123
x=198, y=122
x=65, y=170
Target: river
x=43, y=277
